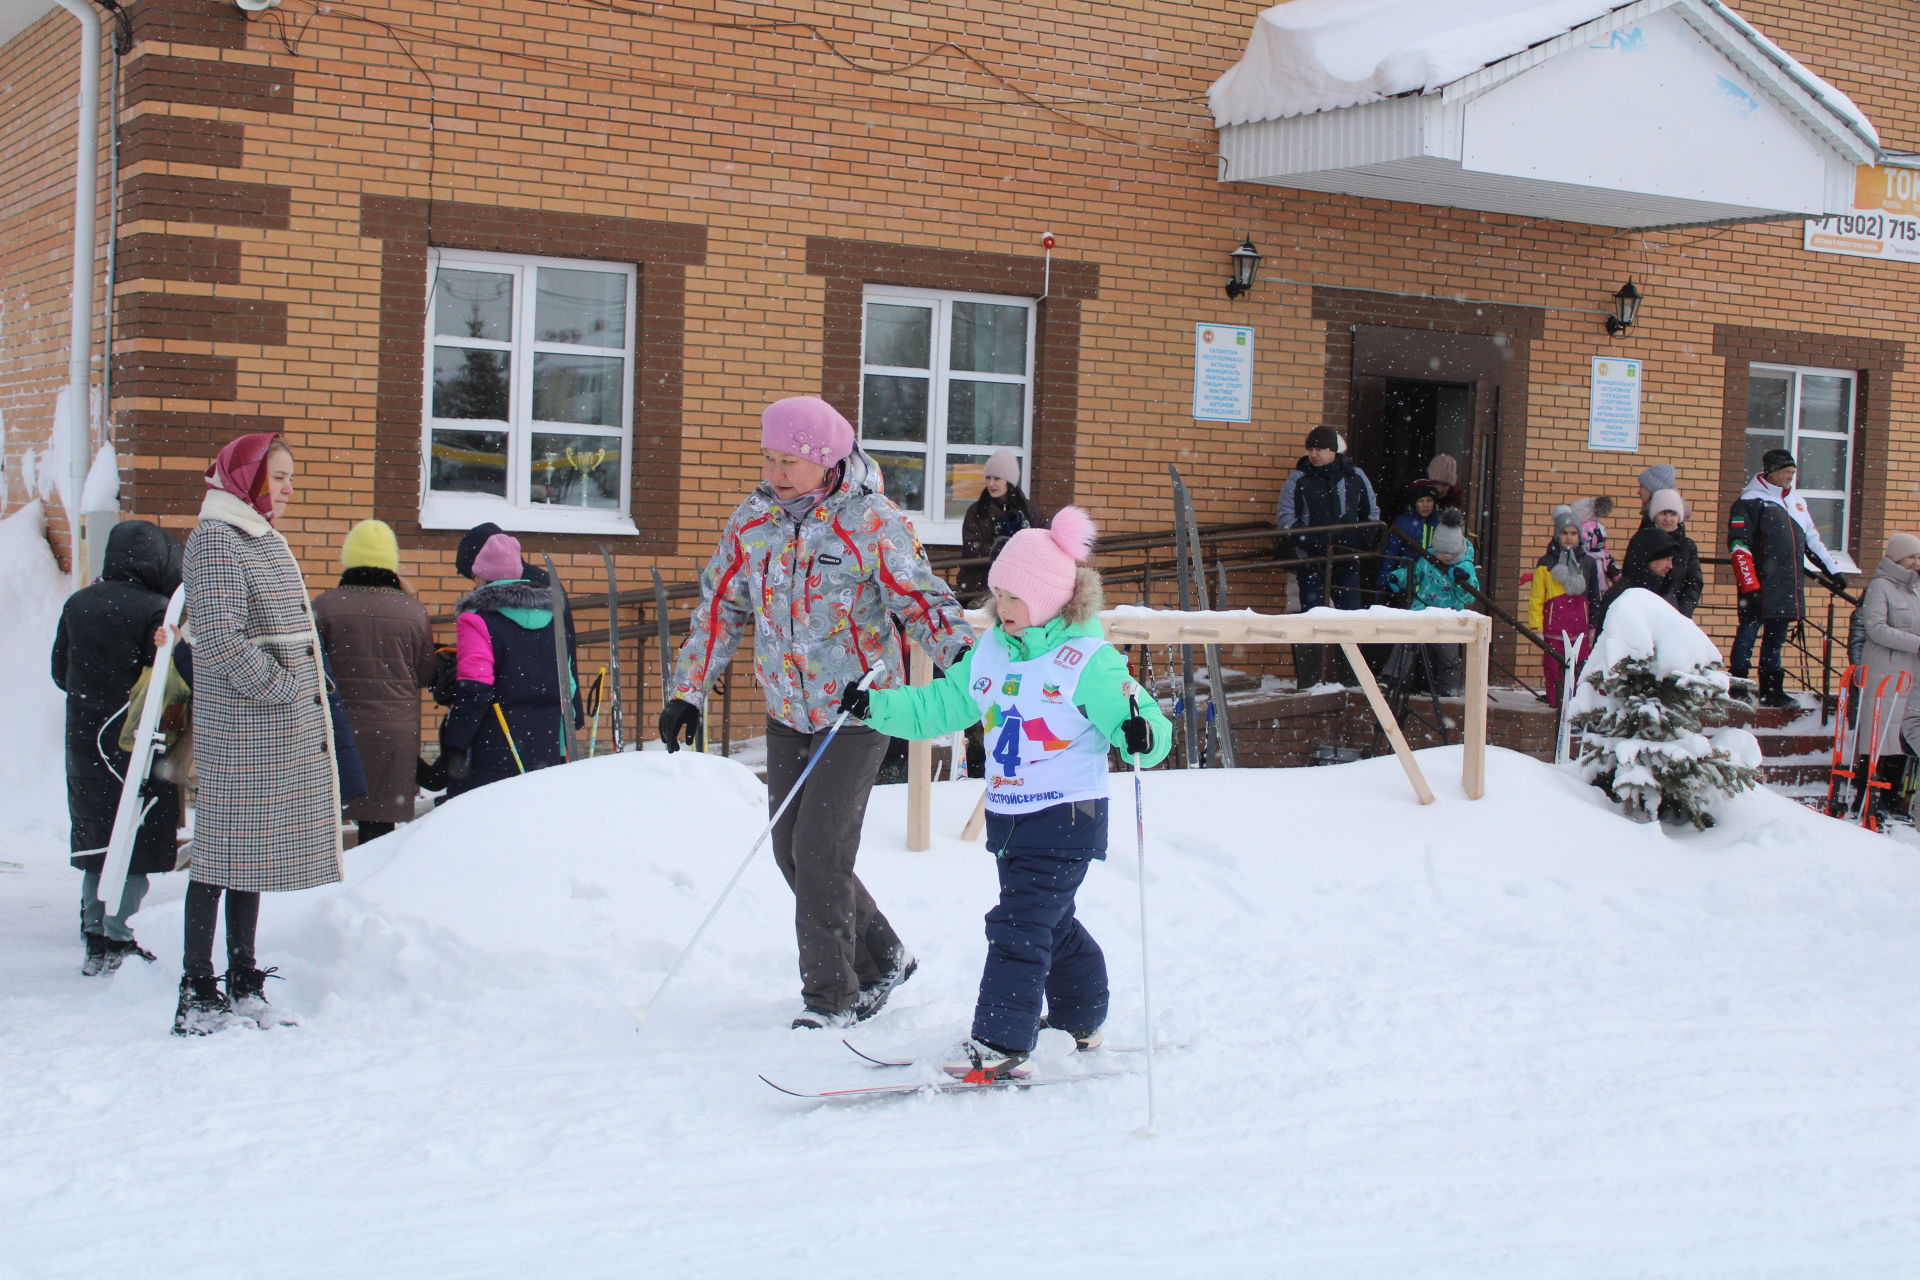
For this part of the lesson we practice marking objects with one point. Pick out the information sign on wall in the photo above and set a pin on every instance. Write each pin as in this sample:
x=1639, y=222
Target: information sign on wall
x=1222, y=373
x=1613, y=405
x=1885, y=222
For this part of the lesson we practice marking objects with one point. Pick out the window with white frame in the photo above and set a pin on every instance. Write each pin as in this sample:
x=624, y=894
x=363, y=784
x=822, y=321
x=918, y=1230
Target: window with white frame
x=946, y=380
x=1809, y=413
x=529, y=397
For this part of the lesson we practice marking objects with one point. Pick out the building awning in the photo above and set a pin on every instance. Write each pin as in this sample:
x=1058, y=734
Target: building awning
x=1655, y=113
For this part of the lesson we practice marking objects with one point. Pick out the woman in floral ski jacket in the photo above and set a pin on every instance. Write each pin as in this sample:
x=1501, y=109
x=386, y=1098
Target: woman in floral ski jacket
x=822, y=565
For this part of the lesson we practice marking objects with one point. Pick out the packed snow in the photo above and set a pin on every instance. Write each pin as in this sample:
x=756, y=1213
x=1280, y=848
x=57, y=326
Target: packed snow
x=1514, y=1037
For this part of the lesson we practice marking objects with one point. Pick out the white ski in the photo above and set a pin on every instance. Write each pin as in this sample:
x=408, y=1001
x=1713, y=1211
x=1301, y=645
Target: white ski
x=146, y=736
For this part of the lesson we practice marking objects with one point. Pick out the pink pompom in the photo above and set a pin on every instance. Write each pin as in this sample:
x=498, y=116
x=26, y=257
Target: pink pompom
x=1073, y=532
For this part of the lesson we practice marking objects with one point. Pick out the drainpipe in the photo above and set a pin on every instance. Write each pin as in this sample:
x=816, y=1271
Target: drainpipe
x=86, y=145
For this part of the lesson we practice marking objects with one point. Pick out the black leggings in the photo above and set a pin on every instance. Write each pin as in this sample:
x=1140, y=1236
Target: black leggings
x=243, y=921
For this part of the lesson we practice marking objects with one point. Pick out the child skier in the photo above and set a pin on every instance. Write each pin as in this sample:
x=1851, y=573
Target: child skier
x=1053, y=696
x=1450, y=584
x=1565, y=599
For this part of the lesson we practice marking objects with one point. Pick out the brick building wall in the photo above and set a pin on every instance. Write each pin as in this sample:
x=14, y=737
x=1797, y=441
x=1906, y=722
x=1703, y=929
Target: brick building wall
x=285, y=173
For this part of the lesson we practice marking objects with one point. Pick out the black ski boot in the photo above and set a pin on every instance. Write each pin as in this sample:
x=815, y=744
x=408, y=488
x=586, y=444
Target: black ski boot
x=203, y=1008
x=873, y=996
x=247, y=988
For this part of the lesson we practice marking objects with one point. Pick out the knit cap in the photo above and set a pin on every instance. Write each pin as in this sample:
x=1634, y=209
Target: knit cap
x=1667, y=500
x=1323, y=438
x=1902, y=545
x=1040, y=565
x=1003, y=466
x=1564, y=517
x=1660, y=475
x=371, y=545
x=1775, y=459
x=1450, y=536
x=1444, y=469
x=806, y=427
x=499, y=560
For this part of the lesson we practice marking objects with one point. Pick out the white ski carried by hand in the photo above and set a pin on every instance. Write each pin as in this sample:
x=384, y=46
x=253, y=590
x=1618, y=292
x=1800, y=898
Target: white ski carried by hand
x=146, y=737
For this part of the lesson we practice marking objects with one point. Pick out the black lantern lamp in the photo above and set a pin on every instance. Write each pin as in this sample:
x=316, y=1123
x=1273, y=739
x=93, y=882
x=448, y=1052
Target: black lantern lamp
x=1626, y=309
x=1246, y=265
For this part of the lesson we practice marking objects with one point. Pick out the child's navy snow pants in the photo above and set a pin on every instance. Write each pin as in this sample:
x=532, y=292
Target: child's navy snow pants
x=1039, y=956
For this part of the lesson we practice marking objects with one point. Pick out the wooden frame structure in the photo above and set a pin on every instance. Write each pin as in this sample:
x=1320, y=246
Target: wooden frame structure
x=1349, y=630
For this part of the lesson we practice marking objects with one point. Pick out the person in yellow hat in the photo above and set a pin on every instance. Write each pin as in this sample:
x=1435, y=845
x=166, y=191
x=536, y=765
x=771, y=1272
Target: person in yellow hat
x=381, y=647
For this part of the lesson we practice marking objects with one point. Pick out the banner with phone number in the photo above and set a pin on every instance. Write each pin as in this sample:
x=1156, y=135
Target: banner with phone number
x=1885, y=222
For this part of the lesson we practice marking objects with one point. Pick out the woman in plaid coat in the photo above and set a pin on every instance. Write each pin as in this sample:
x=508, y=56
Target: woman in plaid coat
x=268, y=816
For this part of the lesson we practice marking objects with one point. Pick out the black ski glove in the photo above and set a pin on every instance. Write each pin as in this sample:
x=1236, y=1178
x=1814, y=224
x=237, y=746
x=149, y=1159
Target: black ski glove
x=1460, y=574
x=459, y=763
x=679, y=722
x=1750, y=606
x=856, y=702
x=1138, y=733
x=1839, y=582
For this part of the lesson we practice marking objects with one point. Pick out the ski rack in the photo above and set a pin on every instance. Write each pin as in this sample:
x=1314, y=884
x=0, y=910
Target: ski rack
x=1348, y=629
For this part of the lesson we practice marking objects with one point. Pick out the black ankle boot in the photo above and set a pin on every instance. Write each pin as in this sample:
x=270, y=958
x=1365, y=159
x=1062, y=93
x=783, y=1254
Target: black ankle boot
x=203, y=1007
x=1773, y=689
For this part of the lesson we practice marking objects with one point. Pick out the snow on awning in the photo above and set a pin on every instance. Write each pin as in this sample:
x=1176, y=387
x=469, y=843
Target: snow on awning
x=1644, y=114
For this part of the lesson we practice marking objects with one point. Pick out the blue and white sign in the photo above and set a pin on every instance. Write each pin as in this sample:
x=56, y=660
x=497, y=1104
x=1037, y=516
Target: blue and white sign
x=1613, y=406
x=1222, y=373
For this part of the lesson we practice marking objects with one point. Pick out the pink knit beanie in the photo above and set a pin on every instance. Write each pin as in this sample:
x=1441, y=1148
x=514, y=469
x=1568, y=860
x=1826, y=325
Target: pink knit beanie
x=499, y=559
x=1038, y=565
x=1003, y=466
x=806, y=427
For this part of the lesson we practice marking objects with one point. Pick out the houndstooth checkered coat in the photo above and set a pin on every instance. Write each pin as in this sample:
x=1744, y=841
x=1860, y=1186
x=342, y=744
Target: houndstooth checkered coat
x=269, y=813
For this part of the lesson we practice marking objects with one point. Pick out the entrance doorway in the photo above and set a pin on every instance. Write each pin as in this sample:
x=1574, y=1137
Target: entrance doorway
x=1418, y=420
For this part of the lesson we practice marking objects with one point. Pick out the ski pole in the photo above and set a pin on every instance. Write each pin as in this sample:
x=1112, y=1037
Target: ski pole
x=593, y=710
x=1854, y=677
x=501, y=716
x=640, y=1019
x=1146, y=967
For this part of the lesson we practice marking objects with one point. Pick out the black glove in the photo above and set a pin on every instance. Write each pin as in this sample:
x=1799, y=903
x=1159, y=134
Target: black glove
x=679, y=722
x=1750, y=607
x=856, y=702
x=1460, y=574
x=1839, y=582
x=1138, y=734
x=459, y=763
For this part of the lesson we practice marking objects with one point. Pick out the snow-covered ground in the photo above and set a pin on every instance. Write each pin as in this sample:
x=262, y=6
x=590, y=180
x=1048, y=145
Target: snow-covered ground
x=1519, y=1037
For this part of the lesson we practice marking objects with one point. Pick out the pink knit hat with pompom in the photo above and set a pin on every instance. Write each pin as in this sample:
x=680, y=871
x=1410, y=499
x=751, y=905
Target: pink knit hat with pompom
x=1038, y=565
x=806, y=427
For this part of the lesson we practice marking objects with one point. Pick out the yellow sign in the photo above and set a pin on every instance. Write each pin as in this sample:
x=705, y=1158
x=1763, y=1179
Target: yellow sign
x=1884, y=223
x=1894, y=190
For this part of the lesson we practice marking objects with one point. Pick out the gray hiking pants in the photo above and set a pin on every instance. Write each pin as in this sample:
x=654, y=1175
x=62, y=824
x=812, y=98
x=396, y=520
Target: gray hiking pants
x=845, y=942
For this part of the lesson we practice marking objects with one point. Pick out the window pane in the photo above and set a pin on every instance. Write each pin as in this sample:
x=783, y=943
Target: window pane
x=1824, y=402
x=904, y=476
x=966, y=481
x=473, y=304
x=986, y=412
x=1823, y=464
x=899, y=336
x=578, y=388
x=1757, y=446
x=469, y=462
x=585, y=308
x=989, y=338
x=893, y=408
x=1767, y=405
x=576, y=471
x=1827, y=514
x=469, y=383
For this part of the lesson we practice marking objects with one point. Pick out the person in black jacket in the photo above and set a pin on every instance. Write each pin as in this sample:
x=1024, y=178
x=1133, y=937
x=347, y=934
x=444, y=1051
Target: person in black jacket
x=1327, y=490
x=1667, y=512
x=1000, y=511
x=1650, y=561
x=1770, y=537
x=105, y=637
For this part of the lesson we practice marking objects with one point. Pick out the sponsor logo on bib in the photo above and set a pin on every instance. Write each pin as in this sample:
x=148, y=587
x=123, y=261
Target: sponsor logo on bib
x=1068, y=658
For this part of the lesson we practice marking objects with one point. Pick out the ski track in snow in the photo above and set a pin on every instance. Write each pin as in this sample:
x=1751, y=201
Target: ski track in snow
x=1507, y=1039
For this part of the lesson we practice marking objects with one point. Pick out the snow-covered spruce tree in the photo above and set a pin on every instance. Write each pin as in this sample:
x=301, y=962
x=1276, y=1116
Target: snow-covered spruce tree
x=1653, y=682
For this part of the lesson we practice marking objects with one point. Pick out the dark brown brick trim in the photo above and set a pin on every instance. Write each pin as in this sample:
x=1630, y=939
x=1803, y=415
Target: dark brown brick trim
x=141, y=375
x=208, y=82
x=214, y=201
x=850, y=265
x=1876, y=360
x=200, y=318
x=182, y=140
x=203, y=259
x=150, y=434
x=190, y=22
x=661, y=250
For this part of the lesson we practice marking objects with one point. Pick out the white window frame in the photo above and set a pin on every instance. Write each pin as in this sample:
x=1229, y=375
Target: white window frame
x=517, y=511
x=932, y=529
x=1794, y=374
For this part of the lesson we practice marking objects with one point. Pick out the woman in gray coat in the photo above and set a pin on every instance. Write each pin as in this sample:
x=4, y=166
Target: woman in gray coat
x=1890, y=617
x=268, y=817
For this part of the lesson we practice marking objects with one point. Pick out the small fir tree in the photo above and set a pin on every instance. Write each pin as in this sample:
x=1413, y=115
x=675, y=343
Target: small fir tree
x=1653, y=683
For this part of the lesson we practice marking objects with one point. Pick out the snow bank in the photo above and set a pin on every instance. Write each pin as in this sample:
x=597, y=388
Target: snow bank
x=102, y=490
x=33, y=784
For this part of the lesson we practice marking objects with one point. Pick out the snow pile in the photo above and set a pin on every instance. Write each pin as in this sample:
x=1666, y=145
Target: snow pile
x=1653, y=682
x=33, y=783
x=102, y=490
x=1506, y=1039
